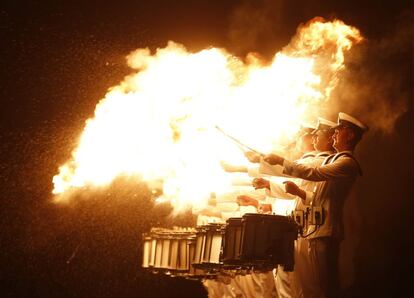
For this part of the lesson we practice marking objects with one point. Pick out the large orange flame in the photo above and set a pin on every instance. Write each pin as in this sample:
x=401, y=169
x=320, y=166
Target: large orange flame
x=159, y=123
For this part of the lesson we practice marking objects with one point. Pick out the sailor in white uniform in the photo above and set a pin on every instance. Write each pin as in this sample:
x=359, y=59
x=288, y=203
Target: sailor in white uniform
x=304, y=282
x=221, y=208
x=278, y=201
x=294, y=284
x=336, y=175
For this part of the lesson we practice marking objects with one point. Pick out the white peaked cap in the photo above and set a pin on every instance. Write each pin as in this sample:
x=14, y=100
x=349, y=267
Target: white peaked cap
x=344, y=118
x=325, y=122
x=304, y=126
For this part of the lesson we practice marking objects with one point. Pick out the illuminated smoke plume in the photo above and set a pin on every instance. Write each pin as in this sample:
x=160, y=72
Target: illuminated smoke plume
x=376, y=86
x=159, y=123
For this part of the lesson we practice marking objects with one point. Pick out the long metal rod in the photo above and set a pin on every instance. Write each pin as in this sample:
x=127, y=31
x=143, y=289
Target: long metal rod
x=244, y=146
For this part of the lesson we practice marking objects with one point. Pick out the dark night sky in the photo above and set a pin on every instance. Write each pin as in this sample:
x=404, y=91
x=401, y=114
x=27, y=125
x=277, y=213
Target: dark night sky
x=58, y=60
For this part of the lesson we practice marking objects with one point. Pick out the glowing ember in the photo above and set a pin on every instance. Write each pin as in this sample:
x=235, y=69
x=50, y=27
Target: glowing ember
x=159, y=123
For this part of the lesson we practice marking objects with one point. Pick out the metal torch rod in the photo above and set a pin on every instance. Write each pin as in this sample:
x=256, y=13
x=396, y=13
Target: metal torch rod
x=244, y=146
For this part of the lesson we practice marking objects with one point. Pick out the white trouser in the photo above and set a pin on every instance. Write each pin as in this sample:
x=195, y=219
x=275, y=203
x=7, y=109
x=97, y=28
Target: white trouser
x=289, y=284
x=283, y=283
x=323, y=256
x=214, y=288
x=307, y=285
x=267, y=284
x=217, y=289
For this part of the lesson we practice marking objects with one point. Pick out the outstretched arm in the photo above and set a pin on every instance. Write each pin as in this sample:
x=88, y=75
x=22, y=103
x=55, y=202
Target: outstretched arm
x=293, y=189
x=341, y=169
x=244, y=200
x=233, y=168
x=344, y=167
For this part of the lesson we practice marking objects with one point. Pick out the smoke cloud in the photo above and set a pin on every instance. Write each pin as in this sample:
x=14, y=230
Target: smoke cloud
x=375, y=85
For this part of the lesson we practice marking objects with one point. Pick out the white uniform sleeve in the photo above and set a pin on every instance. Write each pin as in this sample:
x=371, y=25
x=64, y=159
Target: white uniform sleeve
x=309, y=197
x=227, y=206
x=342, y=168
x=226, y=215
x=258, y=194
x=267, y=169
x=253, y=171
x=247, y=209
x=270, y=200
x=277, y=190
x=240, y=179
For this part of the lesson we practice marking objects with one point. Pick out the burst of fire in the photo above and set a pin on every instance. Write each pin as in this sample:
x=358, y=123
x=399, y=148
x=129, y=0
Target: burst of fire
x=159, y=123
